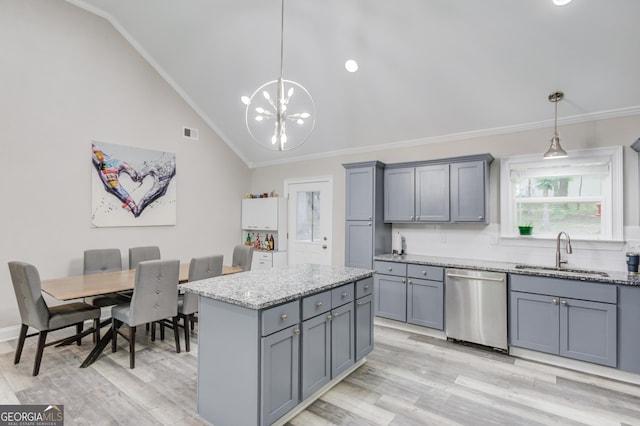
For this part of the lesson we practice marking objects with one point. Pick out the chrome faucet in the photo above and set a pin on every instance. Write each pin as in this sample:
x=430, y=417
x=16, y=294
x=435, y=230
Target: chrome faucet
x=559, y=260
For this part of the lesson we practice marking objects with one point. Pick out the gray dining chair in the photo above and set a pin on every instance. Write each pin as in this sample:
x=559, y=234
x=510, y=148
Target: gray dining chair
x=97, y=261
x=35, y=313
x=155, y=298
x=200, y=268
x=140, y=254
x=242, y=257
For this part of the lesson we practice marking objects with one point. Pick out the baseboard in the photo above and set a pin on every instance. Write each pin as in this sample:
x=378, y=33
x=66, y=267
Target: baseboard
x=9, y=333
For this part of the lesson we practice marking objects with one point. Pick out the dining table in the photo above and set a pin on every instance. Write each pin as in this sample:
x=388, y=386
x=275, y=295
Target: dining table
x=81, y=286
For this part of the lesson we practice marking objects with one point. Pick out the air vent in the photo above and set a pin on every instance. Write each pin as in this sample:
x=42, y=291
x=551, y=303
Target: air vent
x=190, y=133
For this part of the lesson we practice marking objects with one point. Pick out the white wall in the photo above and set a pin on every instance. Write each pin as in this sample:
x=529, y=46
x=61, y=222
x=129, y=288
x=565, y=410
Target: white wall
x=68, y=77
x=479, y=241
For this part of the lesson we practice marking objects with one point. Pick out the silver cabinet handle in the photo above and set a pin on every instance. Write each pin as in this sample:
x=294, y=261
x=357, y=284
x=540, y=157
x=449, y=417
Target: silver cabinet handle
x=390, y=268
x=329, y=317
x=564, y=303
x=283, y=316
x=411, y=218
x=296, y=331
x=369, y=223
x=366, y=287
x=554, y=301
x=410, y=282
x=318, y=304
x=479, y=217
x=336, y=315
x=361, y=303
x=403, y=281
x=344, y=295
x=424, y=273
x=369, y=217
x=475, y=278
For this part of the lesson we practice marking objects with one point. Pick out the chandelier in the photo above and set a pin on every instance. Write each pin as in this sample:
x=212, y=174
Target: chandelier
x=280, y=114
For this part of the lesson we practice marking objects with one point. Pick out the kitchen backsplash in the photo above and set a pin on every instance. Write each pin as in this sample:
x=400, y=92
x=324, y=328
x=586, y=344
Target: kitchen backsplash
x=484, y=243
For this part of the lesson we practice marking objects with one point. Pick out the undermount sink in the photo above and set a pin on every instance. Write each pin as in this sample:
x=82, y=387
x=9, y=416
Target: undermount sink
x=572, y=270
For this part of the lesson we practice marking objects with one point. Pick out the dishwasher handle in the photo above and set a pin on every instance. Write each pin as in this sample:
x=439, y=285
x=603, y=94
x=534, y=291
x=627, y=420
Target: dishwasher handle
x=475, y=278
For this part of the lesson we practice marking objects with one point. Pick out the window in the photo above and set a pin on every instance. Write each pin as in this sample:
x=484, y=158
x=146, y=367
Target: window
x=580, y=194
x=308, y=217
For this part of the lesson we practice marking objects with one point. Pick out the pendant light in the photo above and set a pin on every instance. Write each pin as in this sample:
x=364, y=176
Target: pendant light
x=555, y=150
x=280, y=114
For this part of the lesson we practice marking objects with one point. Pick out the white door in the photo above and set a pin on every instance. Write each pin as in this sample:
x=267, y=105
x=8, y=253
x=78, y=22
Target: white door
x=310, y=209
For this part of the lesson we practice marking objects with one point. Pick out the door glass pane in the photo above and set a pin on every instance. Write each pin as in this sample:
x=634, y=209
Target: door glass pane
x=308, y=216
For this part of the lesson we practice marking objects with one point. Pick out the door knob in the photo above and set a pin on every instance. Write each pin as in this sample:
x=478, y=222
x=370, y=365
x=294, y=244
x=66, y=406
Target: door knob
x=324, y=246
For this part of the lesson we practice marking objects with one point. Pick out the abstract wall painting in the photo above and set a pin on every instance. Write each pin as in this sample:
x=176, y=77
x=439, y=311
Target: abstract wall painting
x=132, y=186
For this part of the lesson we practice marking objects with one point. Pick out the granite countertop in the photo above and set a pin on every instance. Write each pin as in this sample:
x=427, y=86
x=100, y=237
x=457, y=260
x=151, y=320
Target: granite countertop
x=267, y=287
x=613, y=277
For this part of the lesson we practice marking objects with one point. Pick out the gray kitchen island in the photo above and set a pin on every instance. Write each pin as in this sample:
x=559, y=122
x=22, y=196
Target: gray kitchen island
x=270, y=342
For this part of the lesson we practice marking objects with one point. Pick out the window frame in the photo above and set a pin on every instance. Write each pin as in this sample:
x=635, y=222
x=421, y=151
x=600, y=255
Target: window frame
x=613, y=218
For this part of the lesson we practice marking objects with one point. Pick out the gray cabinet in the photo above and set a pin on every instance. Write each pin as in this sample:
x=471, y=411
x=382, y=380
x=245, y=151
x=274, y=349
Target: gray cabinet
x=574, y=319
x=364, y=313
x=342, y=339
x=447, y=190
x=359, y=244
x=399, y=195
x=410, y=293
x=364, y=326
x=328, y=338
x=279, y=373
x=469, y=191
x=366, y=234
x=432, y=193
x=425, y=296
x=360, y=198
x=629, y=328
x=316, y=354
x=390, y=290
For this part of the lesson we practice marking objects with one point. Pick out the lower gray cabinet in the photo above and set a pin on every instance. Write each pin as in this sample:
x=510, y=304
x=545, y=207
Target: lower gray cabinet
x=390, y=297
x=628, y=328
x=342, y=339
x=359, y=244
x=364, y=326
x=424, y=303
x=279, y=373
x=574, y=319
x=534, y=322
x=316, y=354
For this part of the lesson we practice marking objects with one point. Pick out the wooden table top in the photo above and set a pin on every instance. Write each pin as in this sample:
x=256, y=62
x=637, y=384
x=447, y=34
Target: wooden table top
x=79, y=286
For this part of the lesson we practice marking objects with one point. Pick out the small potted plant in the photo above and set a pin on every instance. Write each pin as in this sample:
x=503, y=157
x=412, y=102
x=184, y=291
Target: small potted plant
x=525, y=229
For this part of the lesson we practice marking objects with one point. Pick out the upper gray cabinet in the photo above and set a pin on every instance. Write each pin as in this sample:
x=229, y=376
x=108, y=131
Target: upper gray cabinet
x=360, y=194
x=447, y=190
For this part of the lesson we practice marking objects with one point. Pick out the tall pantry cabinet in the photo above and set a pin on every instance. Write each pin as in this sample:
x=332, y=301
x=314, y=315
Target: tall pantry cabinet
x=366, y=233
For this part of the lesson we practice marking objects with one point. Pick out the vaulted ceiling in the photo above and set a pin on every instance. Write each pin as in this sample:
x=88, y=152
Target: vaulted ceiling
x=429, y=70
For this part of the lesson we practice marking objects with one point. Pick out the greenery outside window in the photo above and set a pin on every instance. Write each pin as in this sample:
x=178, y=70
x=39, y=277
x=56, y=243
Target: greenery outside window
x=580, y=194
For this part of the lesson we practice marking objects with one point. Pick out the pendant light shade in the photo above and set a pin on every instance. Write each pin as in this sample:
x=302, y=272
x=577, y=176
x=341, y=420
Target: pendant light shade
x=280, y=114
x=555, y=150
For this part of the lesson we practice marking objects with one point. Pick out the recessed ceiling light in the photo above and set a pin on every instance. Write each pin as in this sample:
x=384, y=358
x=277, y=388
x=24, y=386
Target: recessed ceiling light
x=561, y=2
x=351, y=65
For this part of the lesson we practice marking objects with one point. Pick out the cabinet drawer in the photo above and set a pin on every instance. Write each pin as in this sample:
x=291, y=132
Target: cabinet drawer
x=364, y=287
x=391, y=268
x=341, y=295
x=316, y=304
x=434, y=273
x=267, y=257
x=280, y=317
x=575, y=289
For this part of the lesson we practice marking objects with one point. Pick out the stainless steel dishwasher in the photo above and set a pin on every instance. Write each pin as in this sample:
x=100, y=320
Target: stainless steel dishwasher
x=476, y=307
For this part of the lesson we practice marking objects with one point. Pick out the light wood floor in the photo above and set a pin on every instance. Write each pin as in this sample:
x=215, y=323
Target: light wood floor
x=409, y=379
